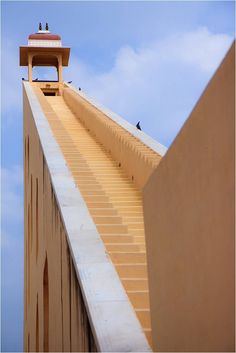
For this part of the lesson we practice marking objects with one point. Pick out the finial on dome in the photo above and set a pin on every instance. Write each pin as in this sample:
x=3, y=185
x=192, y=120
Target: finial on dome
x=46, y=26
x=40, y=26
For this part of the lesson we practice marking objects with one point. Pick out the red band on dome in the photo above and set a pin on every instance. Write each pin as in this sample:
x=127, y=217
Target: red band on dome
x=44, y=36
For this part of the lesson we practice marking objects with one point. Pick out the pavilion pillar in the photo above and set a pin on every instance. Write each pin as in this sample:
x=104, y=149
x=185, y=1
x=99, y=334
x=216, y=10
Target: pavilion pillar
x=30, y=76
x=60, y=78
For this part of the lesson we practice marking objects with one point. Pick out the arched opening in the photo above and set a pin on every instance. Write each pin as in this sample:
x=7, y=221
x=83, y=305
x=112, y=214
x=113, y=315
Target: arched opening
x=45, y=307
x=45, y=68
x=45, y=73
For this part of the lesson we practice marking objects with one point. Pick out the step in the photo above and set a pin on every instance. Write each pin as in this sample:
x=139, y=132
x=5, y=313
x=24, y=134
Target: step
x=121, y=188
x=91, y=188
x=111, y=182
x=128, y=257
x=94, y=199
x=103, y=162
x=114, y=238
x=124, y=198
x=136, y=226
x=89, y=182
x=135, y=284
x=130, y=213
x=126, y=203
x=82, y=173
x=99, y=204
x=122, y=247
x=106, y=174
x=136, y=232
x=148, y=334
x=75, y=159
x=112, y=228
x=142, y=246
x=139, y=299
x=138, y=239
x=93, y=192
x=103, y=212
x=133, y=219
x=144, y=317
x=131, y=209
x=120, y=178
x=132, y=270
x=106, y=178
x=96, y=170
x=107, y=220
x=124, y=193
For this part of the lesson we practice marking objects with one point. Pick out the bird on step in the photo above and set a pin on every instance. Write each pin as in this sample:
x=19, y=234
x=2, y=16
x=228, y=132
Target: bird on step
x=69, y=82
x=138, y=126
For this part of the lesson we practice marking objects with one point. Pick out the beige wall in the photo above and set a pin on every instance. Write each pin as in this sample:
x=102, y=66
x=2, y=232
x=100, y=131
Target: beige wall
x=54, y=308
x=189, y=224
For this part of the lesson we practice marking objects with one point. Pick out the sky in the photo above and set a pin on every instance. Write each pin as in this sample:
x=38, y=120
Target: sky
x=145, y=60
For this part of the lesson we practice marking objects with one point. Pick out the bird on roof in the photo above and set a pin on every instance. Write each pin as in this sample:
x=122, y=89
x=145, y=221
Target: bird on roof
x=69, y=82
x=138, y=126
x=40, y=26
x=23, y=79
x=79, y=89
x=36, y=79
x=46, y=26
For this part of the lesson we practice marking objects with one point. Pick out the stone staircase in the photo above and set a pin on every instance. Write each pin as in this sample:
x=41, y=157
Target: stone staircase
x=114, y=202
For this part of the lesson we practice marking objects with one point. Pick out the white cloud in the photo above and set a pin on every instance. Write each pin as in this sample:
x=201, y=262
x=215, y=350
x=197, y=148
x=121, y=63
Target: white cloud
x=158, y=83
x=202, y=49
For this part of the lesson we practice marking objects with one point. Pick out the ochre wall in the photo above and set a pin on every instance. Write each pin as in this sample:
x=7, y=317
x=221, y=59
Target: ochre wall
x=63, y=321
x=189, y=225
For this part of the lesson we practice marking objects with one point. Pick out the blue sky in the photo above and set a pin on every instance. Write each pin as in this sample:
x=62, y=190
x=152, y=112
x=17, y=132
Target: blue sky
x=147, y=61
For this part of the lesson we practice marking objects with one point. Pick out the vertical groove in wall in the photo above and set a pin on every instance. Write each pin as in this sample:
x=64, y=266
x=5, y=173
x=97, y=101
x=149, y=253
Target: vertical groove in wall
x=37, y=326
x=37, y=220
x=43, y=166
x=52, y=213
x=62, y=306
x=28, y=348
x=26, y=231
x=84, y=325
x=28, y=158
x=25, y=158
x=31, y=212
x=45, y=307
x=92, y=345
x=28, y=253
x=52, y=210
x=69, y=260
